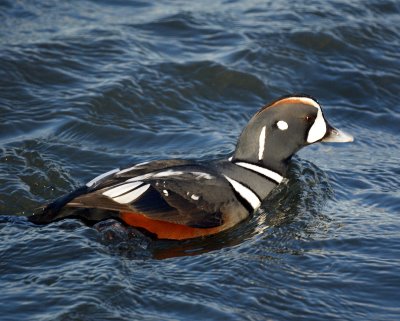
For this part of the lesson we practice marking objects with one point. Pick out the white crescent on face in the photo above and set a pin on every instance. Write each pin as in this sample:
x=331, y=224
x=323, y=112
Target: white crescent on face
x=319, y=128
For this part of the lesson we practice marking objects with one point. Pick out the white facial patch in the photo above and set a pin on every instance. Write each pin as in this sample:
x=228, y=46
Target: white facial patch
x=318, y=129
x=261, y=144
x=282, y=125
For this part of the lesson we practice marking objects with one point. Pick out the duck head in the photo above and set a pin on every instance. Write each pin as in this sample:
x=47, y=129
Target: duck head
x=278, y=130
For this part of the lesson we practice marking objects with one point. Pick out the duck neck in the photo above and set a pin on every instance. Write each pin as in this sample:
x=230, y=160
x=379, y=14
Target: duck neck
x=260, y=145
x=278, y=166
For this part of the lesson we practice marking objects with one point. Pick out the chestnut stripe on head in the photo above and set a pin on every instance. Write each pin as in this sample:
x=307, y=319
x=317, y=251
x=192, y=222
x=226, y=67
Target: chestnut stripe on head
x=291, y=100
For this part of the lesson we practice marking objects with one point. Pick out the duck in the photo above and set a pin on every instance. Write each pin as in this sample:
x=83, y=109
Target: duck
x=180, y=199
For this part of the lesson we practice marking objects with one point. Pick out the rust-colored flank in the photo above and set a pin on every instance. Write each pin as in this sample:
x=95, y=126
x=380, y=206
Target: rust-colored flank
x=166, y=230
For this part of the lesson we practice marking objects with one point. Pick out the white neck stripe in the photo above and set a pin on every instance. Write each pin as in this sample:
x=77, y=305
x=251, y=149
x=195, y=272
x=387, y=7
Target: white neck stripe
x=245, y=192
x=263, y=171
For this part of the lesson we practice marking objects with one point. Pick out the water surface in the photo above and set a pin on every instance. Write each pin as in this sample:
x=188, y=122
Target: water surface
x=87, y=86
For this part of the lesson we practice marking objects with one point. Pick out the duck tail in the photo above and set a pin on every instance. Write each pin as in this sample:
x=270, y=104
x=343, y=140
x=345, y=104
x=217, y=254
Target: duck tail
x=60, y=209
x=56, y=210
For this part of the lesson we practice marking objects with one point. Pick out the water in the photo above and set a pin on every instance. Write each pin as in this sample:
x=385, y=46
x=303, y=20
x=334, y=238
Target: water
x=86, y=86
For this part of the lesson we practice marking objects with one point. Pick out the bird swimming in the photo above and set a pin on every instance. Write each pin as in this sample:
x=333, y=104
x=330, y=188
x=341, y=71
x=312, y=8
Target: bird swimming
x=181, y=199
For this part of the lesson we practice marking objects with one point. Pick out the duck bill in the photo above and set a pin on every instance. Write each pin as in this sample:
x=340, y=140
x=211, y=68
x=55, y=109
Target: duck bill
x=334, y=135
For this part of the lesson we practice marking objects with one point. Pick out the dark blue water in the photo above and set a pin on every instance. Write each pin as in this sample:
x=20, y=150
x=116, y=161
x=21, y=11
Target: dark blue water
x=87, y=86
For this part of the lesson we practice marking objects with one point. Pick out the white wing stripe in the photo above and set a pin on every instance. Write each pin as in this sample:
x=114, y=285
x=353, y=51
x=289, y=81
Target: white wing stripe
x=132, y=168
x=245, y=192
x=167, y=173
x=263, y=171
x=98, y=178
x=121, y=189
x=130, y=197
x=140, y=177
x=127, y=169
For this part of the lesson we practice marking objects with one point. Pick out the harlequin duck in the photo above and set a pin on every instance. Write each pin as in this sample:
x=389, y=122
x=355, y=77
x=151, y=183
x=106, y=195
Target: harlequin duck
x=180, y=199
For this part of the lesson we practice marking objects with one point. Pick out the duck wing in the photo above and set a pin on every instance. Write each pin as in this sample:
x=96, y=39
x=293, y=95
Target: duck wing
x=185, y=195
x=175, y=192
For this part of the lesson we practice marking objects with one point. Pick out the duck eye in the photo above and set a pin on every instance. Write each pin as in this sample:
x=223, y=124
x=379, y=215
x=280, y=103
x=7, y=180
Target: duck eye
x=308, y=118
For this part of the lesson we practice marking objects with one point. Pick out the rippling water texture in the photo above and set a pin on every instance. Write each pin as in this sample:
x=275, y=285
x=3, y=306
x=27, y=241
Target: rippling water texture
x=86, y=86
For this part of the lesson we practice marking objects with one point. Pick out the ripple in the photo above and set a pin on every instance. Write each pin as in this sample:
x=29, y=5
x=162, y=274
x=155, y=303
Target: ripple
x=94, y=85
